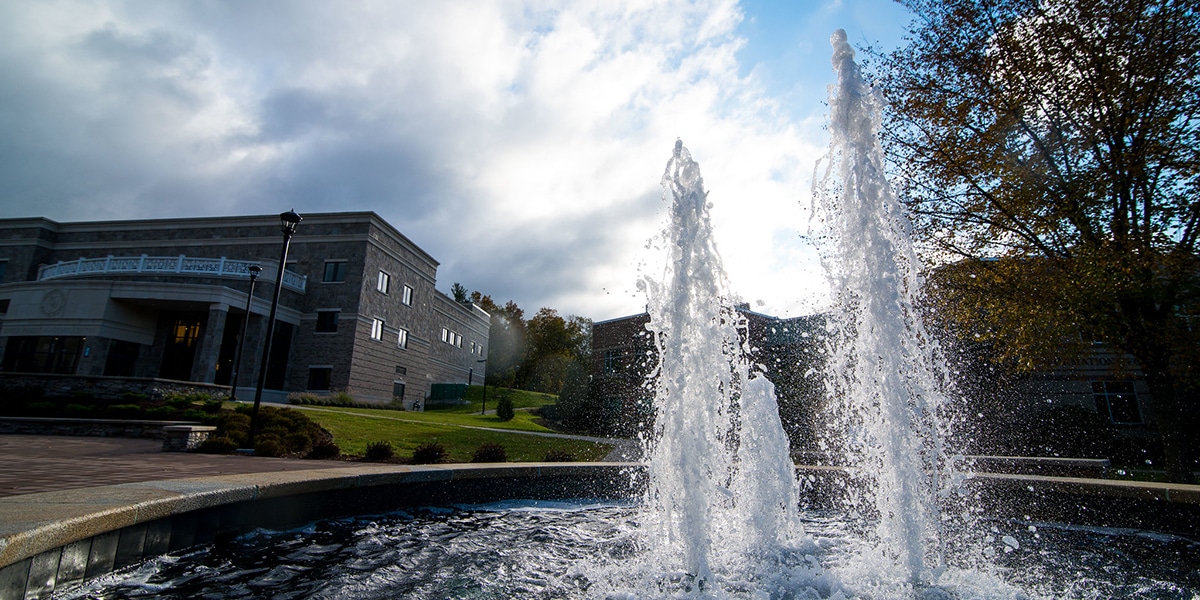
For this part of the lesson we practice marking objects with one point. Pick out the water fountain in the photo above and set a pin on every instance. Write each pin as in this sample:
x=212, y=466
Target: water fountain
x=718, y=518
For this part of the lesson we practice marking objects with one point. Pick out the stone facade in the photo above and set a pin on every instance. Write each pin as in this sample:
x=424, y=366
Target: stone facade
x=166, y=299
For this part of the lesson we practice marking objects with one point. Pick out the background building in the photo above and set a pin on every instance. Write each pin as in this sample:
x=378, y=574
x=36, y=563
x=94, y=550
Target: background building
x=166, y=299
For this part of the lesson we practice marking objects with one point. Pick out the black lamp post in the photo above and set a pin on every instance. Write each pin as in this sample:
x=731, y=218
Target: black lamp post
x=288, y=222
x=237, y=356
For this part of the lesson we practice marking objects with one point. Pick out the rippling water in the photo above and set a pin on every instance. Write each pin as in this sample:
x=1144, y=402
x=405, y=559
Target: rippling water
x=581, y=550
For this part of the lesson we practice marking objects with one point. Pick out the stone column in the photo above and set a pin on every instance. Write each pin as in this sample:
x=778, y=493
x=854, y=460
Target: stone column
x=204, y=366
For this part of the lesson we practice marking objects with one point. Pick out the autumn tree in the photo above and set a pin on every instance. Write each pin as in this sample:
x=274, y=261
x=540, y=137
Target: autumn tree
x=554, y=343
x=1050, y=151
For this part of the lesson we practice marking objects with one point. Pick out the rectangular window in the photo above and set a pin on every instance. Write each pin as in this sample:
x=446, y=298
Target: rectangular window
x=377, y=329
x=458, y=340
x=385, y=282
x=612, y=361
x=402, y=338
x=445, y=335
x=407, y=297
x=319, y=378
x=1117, y=401
x=327, y=321
x=335, y=271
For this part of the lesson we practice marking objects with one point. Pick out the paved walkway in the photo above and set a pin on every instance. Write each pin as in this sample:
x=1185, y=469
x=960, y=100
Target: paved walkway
x=37, y=463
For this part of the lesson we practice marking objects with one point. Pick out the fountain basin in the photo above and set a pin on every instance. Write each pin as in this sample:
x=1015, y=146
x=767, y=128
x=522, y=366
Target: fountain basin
x=53, y=539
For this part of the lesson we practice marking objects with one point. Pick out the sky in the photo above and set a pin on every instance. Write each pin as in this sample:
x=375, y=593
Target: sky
x=520, y=142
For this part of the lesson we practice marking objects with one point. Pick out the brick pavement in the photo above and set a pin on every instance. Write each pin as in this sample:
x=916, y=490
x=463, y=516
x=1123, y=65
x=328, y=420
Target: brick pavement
x=37, y=463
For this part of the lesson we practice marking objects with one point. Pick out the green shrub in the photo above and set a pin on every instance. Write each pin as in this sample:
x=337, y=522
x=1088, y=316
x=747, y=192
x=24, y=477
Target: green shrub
x=218, y=445
x=197, y=415
x=132, y=398
x=504, y=408
x=559, y=456
x=380, y=451
x=489, y=453
x=324, y=450
x=161, y=413
x=41, y=408
x=269, y=445
x=212, y=406
x=298, y=441
x=124, y=411
x=78, y=410
x=429, y=454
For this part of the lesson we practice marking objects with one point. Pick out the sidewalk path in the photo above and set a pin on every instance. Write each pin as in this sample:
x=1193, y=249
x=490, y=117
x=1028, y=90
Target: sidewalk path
x=43, y=463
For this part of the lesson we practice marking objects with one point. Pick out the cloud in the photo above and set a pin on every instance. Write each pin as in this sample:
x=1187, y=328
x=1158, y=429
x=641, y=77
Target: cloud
x=520, y=143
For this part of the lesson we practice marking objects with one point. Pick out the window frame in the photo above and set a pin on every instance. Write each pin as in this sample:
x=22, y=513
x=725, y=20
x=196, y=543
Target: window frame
x=336, y=312
x=383, y=283
x=406, y=297
x=402, y=338
x=377, y=328
x=312, y=370
x=338, y=262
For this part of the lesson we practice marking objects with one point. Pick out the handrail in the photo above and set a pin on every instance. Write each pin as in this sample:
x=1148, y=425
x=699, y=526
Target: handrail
x=152, y=265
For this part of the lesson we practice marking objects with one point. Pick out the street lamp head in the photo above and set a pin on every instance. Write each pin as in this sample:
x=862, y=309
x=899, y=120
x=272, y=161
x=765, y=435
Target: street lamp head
x=254, y=271
x=288, y=222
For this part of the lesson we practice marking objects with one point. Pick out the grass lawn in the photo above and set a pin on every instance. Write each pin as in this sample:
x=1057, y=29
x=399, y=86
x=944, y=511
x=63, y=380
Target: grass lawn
x=354, y=428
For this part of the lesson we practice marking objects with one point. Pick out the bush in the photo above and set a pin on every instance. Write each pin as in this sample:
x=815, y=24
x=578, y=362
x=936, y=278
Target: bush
x=197, y=415
x=269, y=445
x=298, y=442
x=324, y=450
x=380, y=451
x=489, y=453
x=559, y=456
x=218, y=445
x=504, y=408
x=124, y=411
x=212, y=406
x=160, y=413
x=78, y=410
x=429, y=454
x=40, y=408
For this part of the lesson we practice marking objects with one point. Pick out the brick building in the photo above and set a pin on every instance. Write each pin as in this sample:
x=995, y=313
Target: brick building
x=624, y=355
x=166, y=298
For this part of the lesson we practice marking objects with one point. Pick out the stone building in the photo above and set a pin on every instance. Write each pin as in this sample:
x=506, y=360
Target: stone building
x=166, y=299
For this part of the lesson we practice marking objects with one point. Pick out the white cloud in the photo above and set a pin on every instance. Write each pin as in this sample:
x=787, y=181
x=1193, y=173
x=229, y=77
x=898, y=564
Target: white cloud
x=521, y=143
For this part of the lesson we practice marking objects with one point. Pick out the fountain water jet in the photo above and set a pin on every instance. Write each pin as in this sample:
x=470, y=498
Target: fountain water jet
x=719, y=464
x=885, y=379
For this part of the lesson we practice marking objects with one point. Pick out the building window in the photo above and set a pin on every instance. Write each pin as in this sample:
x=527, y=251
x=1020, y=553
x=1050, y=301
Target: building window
x=327, y=321
x=402, y=338
x=377, y=329
x=458, y=340
x=1118, y=401
x=335, y=271
x=445, y=335
x=385, y=282
x=406, y=298
x=612, y=361
x=319, y=378
x=185, y=332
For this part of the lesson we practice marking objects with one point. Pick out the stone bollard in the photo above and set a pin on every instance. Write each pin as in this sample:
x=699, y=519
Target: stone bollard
x=182, y=438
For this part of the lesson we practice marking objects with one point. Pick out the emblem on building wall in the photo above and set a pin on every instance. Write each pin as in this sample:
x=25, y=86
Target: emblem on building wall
x=53, y=303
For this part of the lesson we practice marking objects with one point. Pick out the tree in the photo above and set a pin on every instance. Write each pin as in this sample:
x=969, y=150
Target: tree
x=1050, y=150
x=507, y=339
x=553, y=343
x=460, y=293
